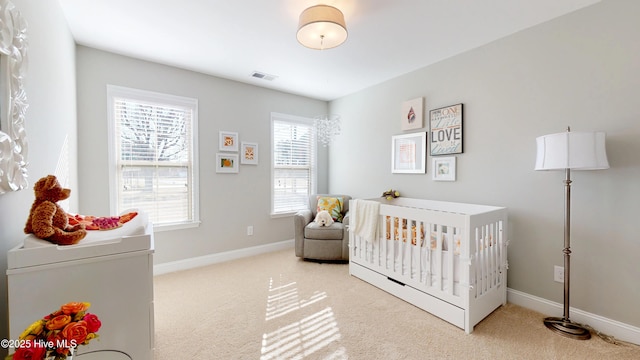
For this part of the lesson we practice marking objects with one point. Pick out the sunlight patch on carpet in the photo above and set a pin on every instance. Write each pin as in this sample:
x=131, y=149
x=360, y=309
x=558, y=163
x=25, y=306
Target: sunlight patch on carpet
x=285, y=299
x=299, y=338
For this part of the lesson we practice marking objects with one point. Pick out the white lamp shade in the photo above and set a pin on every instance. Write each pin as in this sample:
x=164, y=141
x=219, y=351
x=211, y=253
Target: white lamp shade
x=572, y=150
x=321, y=27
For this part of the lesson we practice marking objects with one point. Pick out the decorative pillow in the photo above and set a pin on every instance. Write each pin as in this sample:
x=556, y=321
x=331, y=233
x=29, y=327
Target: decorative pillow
x=333, y=205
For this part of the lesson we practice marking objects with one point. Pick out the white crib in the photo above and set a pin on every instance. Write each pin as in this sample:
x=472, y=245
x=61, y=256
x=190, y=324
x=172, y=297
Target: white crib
x=449, y=259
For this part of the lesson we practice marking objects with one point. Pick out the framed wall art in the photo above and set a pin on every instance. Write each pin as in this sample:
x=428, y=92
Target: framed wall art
x=408, y=153
x=226, y=163
x=228, y=141
x=13, y=100
x=249, y=153
x=446, y=130
x=444, y=168
x=412, y=116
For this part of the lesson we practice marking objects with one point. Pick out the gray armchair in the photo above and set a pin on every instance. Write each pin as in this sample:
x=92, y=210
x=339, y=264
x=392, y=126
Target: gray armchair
x=322, y=242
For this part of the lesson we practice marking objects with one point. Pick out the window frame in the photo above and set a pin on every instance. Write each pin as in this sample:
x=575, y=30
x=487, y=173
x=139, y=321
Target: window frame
x=285, y=118
x=114, y=92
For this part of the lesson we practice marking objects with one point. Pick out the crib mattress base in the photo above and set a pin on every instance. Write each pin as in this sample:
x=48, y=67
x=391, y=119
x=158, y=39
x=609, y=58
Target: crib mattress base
x=433, y=305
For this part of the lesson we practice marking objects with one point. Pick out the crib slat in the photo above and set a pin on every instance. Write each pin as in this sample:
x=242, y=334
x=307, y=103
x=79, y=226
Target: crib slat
x=479, y=265
x=478, y=261
x=487, y=265
x=490, y=253
x=428, y=255
x=378, y=248
x=494, y=254
x=485, y=261
x=385, y=244
x=439, y=262
x=500, y=248
x=450, y=259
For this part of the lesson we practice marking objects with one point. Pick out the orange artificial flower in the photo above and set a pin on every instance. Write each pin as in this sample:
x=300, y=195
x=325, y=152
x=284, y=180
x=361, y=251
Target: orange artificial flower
x=74, y=307
x=58, y=322
x=75, y=333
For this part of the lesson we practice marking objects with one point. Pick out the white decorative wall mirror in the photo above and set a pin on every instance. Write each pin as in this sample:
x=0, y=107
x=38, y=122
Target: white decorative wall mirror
x=13, y=99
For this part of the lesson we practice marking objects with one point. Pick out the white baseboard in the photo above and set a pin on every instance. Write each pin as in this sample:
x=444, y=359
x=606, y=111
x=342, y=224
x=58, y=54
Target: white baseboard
x=617, y=329
x=195, y=262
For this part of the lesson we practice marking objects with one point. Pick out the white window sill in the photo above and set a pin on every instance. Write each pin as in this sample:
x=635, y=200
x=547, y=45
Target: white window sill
x=283, y=215
x=177, y=226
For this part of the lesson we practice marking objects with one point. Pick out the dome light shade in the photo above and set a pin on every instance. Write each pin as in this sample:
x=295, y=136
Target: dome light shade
x=321, y=27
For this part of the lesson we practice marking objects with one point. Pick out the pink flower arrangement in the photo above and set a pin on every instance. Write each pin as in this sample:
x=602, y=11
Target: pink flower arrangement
x=57, y=334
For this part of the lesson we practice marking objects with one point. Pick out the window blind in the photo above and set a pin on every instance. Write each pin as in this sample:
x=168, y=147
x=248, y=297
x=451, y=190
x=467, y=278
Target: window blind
x=294, y=163
x=154, y=158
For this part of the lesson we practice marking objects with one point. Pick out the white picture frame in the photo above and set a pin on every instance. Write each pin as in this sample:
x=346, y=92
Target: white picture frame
x=408, y=152
x=227, y=163
x=13, y=100
x=443, y=168
x=412, y=114
x=228, y=141
x=249, y=153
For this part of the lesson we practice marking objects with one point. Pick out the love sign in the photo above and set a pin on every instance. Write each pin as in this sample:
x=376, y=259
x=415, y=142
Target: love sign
x=446, y=130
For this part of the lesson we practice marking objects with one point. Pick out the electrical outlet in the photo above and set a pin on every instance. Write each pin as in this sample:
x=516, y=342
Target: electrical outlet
x=558, y=274
x=250, y=230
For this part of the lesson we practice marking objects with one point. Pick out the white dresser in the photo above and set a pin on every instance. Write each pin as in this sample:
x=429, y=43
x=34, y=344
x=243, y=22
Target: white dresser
x=111, y=270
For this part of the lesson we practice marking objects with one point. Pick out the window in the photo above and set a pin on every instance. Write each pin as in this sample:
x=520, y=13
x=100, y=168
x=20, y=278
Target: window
x=294, y=163
x=153, y=156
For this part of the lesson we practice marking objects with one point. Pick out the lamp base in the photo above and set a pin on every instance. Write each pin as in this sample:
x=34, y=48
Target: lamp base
x=567, y=328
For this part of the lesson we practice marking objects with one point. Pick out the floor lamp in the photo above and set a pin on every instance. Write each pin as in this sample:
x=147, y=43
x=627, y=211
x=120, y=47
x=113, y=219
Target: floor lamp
x=570, y=151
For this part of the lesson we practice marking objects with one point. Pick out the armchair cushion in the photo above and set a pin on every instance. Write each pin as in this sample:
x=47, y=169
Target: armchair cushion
x=333, y=232
x=331, y=204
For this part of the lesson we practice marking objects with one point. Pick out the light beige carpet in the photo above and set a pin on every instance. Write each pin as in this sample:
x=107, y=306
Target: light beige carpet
x=275, y=306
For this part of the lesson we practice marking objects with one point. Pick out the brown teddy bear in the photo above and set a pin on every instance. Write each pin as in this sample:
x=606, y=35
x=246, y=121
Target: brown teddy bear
x=47, y=220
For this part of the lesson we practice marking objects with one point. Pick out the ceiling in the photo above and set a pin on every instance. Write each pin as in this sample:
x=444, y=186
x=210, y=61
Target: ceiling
x=234, y=38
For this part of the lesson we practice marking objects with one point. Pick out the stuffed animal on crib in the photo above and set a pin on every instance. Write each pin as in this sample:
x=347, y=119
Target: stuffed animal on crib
x=323, y=218
x=47, y=220
x=391, y=194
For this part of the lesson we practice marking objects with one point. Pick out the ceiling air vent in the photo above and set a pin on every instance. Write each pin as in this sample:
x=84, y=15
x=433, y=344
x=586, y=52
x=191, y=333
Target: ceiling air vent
x=263, y=76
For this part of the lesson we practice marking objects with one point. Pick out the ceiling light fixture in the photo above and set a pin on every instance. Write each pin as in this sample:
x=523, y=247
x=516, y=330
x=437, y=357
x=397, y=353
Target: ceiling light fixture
x=327, y=128
x=321, y=27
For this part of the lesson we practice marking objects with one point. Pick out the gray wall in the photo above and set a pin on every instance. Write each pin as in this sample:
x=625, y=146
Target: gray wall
x=50, y=118
x=580, y=70
x=228, y=202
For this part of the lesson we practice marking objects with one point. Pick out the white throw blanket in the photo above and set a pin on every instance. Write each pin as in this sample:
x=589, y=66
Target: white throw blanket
x=365, y=219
